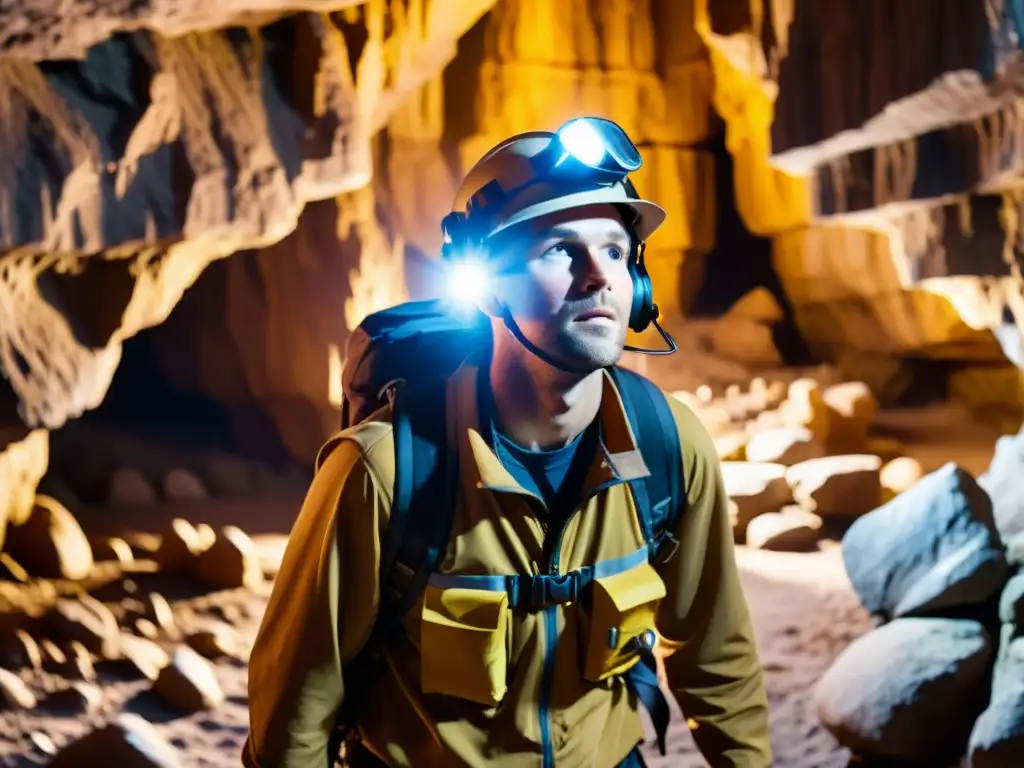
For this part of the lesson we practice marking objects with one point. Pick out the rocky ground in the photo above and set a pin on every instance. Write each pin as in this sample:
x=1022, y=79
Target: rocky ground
x=165, y=635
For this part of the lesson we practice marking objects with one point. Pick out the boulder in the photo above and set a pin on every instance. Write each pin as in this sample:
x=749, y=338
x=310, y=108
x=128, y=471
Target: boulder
x=180, y=545
x=14, y=693
x=233, y=561
x=805, y=407
x=128, y=487
x=182, y=485
x=837, y=486
x=997, y=740
x=730, y=446
x=784, y=445
x=1002, y=482
x=851, y=406
x=909, y=690
x=127, y=742
x=1015, y=550
x=756, y=488
x=933, y=547
x=188, y=683
x=87, y=621
x=758, y=305
x=50, y=543
x=899, y=475
x=793, y=529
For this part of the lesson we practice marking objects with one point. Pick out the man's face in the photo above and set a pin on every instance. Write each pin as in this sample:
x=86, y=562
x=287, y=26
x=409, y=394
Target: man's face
x=566, y=282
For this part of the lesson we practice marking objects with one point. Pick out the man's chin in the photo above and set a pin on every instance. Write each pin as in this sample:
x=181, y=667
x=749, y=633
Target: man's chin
x=593, y=356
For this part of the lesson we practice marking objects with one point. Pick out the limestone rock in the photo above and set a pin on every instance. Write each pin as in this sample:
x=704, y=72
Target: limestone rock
x=180, y=545
x=77, y=697
x=159, y=610
x=112, y=548
x=245, y=162
x=14, y=692
x=188, y=683
x=851, y=406
x=88, y=621
x=840, y=486
x=233, y=561
x=128, y=742
x=755, y=488
x=145, y=655
x=227, y=475
x=50, y=543
x=1011, y=603
x=1015, y=550
x=1002, y=482
x=129, y=487
x=933, y=547
x=23, y=462
x=874, y=700
x=784, y=445
x=805, y=407
x=758, y=305
x=19, y=649
x=899, y=475
x=80, y=666
x=43, y=742
x=181, y=485
x=793, y=529
x=731, y=445
x=997, y=740
x=214, y=641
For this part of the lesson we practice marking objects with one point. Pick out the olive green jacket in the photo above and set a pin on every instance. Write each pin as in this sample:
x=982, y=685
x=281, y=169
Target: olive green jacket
x=325, y=599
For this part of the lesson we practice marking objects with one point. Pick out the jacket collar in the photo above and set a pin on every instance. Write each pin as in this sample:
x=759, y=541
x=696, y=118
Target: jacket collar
x=618, y=458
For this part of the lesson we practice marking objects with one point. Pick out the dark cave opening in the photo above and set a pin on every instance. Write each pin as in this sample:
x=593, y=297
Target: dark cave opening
x=740, y=262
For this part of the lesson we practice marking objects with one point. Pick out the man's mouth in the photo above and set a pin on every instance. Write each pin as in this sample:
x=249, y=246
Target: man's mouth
x=594, y=314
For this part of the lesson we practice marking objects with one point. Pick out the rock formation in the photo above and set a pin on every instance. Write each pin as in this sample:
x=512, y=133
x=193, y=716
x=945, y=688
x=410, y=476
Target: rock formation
x=142, y=142
x=320, y=144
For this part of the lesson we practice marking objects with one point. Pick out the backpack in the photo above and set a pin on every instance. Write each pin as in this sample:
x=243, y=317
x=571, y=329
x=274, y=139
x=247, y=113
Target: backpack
x=402, y=357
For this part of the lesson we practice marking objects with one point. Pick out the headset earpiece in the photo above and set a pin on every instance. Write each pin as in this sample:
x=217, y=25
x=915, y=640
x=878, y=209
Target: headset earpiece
x=643, y=311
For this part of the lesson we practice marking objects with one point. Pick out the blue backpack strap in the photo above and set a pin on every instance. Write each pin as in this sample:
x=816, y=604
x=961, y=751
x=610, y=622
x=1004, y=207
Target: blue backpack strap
x=660, y=500
x=415, y=539
x=660, y=497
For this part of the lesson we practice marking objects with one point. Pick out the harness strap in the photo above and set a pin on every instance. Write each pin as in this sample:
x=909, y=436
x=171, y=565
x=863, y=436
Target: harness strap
x=534, y=592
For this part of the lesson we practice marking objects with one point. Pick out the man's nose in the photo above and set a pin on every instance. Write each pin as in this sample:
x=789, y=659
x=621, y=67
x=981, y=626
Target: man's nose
x=593, y=270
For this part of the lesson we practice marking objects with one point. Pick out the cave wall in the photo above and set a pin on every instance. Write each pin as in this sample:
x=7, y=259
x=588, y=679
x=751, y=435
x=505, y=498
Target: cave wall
x=143, y=141
x=856, y=234
x=275, y=320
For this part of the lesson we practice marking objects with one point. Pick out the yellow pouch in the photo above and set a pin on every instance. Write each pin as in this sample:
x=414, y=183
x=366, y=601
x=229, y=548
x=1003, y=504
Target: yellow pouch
x=463, y=644
x=618, y=609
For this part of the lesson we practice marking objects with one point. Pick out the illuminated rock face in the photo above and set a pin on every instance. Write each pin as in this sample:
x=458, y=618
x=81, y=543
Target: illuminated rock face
x=161, y=142
x=142, y=141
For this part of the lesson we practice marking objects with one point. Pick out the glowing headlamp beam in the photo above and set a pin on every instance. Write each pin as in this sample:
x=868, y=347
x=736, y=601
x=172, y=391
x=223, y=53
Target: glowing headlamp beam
x=582, y=141
x=467, y=282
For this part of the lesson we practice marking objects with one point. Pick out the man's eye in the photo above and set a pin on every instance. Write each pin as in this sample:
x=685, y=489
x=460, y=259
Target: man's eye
x=557, y=250
x=616, y=253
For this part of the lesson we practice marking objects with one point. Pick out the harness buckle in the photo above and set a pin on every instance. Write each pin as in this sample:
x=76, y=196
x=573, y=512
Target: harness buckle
x=553, y=589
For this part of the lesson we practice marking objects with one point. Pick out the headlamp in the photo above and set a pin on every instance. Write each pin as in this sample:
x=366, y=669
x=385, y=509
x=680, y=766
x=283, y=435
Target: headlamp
x=589, y=148
x=467, y=281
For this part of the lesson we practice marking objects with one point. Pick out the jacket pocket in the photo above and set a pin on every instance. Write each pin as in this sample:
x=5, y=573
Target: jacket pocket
x=616, y=616
x=463, y=644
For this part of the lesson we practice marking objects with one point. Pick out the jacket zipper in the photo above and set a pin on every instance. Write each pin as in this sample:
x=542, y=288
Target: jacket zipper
x=550, y=614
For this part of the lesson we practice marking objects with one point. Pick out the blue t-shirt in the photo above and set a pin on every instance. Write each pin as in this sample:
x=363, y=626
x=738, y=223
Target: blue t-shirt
x=557, y=475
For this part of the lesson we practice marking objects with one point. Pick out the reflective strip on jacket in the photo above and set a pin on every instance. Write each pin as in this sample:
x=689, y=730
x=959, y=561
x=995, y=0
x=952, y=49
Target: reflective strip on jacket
x=325, y=598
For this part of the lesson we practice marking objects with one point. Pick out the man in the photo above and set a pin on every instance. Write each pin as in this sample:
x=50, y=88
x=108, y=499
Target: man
x=547, y=458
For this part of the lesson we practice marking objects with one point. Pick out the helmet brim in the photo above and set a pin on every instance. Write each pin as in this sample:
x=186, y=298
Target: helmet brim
x=649, y=216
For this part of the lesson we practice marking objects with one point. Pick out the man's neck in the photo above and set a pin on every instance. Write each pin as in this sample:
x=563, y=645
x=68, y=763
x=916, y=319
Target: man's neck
x=537, y=406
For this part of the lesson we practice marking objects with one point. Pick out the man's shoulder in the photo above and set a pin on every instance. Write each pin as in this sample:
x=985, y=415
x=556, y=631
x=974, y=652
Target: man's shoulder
x=372, y=442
